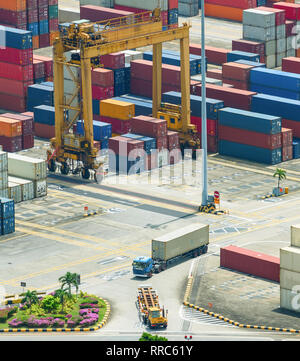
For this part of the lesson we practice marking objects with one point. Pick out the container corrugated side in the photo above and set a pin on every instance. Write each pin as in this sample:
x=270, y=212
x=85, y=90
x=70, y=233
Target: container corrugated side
x=3, y=161
x=15, y=192
x=178, y=242
x=3, y=180
x=26, y=186
x=40, y=188
x=25, y=167
x=290, y=258
x=289, y=279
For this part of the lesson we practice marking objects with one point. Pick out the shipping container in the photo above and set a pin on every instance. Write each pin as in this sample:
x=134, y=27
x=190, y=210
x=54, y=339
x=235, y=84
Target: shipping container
x=3, y=161
x=250, y=262
x=40, y=188
x=7, y=208
x=149, y=126
x=26, y=187
x=289, y=259
x=116, y=109
x=26, y=167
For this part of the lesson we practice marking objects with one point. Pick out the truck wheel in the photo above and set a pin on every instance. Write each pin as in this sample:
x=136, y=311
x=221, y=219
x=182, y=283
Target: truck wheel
x=195, y=254
x=204, y=249
x=149, y=274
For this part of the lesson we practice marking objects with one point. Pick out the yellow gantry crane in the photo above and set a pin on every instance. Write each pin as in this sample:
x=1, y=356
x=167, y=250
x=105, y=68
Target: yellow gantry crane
x=88, y=41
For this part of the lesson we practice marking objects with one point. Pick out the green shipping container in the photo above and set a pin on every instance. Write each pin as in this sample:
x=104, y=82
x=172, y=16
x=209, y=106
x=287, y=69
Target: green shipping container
x=53, y=11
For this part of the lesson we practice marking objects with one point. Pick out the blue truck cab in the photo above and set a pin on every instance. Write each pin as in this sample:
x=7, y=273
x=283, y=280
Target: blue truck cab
x=142, y=266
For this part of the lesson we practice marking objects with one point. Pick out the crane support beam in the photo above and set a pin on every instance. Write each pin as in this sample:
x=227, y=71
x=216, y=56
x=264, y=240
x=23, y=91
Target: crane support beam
x=185, y=82
x=156, y=78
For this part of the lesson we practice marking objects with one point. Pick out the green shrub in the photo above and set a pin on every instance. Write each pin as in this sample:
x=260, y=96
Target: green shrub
x=148, y=337
x=50, y=303
x=4, y=315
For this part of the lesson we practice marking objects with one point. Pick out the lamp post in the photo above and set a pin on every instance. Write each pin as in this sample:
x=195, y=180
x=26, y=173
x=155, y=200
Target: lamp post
x=203, y=110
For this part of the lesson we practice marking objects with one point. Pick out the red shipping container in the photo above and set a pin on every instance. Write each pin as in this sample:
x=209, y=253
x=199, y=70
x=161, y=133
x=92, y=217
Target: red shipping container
x=287, y=153
x=214, y=55
x=126, y=147
x=101, y=93
x=231, y=97
x=33, y=16
x=118, y=126
x=172, y=4
x=241, y=4
x=113, y=61
x=16, y=56
x=292, y=124
x=43, y=12
x=48, y=64
x=141, y=87
x=16, y=72
x=289, y=25
x=27, y=121
x=237, y=84
x=11, y=144
x=279, y=14
x=42, y=3
x=173, y=140
x=212, y=144
x=162, y=143
x=44, y=40
x=17, y=18
x=292, y=11
x=211, y=125
x=236, y=71
x=44, y=131
x=286, y=137
x=14, y=87
x=214, y=74
x=99, y=13
x=38, y=69
x=268, y=141
x=291, y=64
x=149, y=126
x=103, y=77
x=248, y=46
x=27, y=141
x=12, y=102
x=53, y=25
x=31, y=4
x=250, y=262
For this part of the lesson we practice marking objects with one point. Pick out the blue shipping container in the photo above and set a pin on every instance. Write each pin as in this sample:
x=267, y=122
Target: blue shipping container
x=141, y=107
x=96, y=106
x=149, y=143
x=102, y=130
x=8, y=225
x=274, y=91
x=44, y=114
x=249, y=152
x=296, y=148
x=121, y=164
x=7, y=208
x=34, y=28
x=17, y=38
x=256, y=122
x=212, y=105
x=44, y=27
x=272, y=105
x=39, y=94
x=275, y=79
x=237, y=55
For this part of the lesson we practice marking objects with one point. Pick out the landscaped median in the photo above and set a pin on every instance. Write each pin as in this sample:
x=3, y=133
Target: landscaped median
x=59, y=311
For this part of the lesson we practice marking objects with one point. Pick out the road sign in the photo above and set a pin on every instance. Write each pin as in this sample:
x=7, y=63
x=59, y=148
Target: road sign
x=23, y=284
x=217, y=195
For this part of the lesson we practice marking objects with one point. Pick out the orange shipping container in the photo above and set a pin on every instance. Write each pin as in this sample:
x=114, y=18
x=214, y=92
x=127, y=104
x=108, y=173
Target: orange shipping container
x=10, y=127
x=16, y=5
x=224, y=12
x=35, y=41
x=53, y=36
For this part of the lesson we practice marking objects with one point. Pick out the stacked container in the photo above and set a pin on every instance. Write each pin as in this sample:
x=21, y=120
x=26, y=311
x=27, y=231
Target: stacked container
x=287, y=144
x=188, y=8
x=142, y=105
x=102, y=132
x=118, y=114
x=30, y=169
x=3, y=175
x=44, y=121
x=48, y=66
x=27, y=132
x=213, y=55
x=10, y=134
x=40, y=94
x=249, y=135
x=236, y=74
x=104, y=3
x=16, y=70
x=7, y=216
x=116, y=62
x=228, y=9
x=22, y=188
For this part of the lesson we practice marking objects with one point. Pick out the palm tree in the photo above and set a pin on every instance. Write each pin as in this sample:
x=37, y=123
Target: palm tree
x=281, y=174
x=69, y=280
x=62, y=294
x=31, y=298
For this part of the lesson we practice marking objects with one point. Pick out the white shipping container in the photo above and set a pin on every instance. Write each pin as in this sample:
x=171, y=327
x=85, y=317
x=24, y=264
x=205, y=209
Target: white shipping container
x=295, y=235
x=260, y=18
x=290, y=42
x=15, y=192
x=279, y=58
x=26, y=167
x=289, y=300
x=147, y=5
x=270, y=47
x=290, y=52
x=179, y=242
x=270, y=61
x=289, y=279
x=26, y=186
x=4, y=193
x=290, y=258
x=3, y=161
x=198, y=77
x=280, y=31
x=3, y=180
x=40, y=188
x=280, y=46
x=257, y=33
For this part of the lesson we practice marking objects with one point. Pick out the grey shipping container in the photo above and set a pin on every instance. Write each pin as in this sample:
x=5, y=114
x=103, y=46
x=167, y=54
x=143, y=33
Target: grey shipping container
x=263, y=19
x=26, y=186
x=257, y=33
x=26, y=167
x=3, y=161
x=147, y=5
x=3, y=180
x=180, y=242
x=40, y=188
x=188, y=10
x=15, y=192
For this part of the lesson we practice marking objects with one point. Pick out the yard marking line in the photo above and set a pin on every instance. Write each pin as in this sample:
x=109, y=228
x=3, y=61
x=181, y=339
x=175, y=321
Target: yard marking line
x=68, y=233
x=78, y=262
x=254, y=170
x=86, y=276
x=59, y=239
x=270, y=224
x=276, y=205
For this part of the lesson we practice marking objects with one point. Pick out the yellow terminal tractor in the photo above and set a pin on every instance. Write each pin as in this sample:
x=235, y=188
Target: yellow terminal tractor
x=152, y=314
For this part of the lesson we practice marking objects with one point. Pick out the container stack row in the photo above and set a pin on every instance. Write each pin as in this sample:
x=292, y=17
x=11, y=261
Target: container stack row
x=3, y=174
x=38, y=16
x=102, y=132
x=116, y=63
x=30, y=169
x=188, y=8
x=7, y=216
